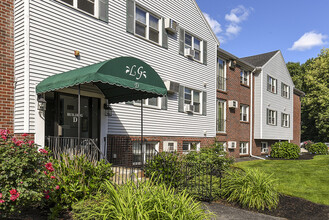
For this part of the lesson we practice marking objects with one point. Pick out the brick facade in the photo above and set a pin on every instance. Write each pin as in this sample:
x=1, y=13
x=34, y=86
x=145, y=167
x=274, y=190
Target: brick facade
x=7, y=64
x=235, y=129
x=297, y=119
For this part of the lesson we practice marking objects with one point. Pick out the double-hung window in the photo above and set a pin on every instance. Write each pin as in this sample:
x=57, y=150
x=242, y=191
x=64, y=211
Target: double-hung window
x=244, y=113
x=243, y=147
x=193, y=97
x=221, y=115
x=145, y=152
x=221, y=74
x=264, y=147
x=147, y=25
x=194, y=44
x=271, y=117
x=97, y=8
x=244, y=77
x=151, y=102
x=190, y=146
x=271, y=84
x=285, y=90
x=285, y=120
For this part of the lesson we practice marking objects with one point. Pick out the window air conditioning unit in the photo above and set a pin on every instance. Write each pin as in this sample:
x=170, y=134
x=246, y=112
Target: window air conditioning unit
x=232, y=64
x=171, y=86
x=188, y=108
x=232, y=104
x=171, y=25
x=170, y=146
x=231, y=145
x=189, y=52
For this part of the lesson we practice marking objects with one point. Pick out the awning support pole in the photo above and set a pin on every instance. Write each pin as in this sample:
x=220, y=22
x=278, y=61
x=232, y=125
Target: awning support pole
x=79, y=110
x=142, y=133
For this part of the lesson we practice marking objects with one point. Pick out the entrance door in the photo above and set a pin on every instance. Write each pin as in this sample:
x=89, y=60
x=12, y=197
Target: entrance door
x=62, y=116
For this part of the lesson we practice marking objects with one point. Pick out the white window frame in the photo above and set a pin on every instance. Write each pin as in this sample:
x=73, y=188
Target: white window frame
x=222, y=101
x=147, y=25
x=144, y=153
x=243, y=148
x=75, y=5
x=244, y=111
x=285, y=91
x=224, y=75
x=244, y=77
x=192, y=99
x=193, y=46
x=146, y=103
x=272, y=120
x=223, y=144
x=189, y=143
x=285, y=120
x=272, y=84
x=264, y=147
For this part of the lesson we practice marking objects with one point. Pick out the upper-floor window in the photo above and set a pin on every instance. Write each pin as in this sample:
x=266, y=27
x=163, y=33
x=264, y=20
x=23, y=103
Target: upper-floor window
x=194, y=44
x=221, y=75
x=147, y=25
x=244, y=113
x=151, y=102
x=221, y=115
x=192, y=97
x=271, y=117
x=97, y=8
x=285, y=90
x=271, y=84
x=244, y=77
x=285, y=120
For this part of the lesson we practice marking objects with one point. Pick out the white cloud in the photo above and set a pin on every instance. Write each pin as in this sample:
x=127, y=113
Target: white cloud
x=215, y=25
x=308, y=41
x=233, y=29
x=238, y=14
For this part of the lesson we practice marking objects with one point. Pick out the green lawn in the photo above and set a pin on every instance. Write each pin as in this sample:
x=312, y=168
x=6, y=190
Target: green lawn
x=308, y=179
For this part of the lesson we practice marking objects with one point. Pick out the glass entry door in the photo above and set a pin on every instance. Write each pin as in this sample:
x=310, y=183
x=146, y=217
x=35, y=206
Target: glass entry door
x=62, y=116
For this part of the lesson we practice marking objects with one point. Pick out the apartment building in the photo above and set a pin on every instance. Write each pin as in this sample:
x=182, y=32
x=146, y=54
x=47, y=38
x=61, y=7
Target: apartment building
x=173, y=87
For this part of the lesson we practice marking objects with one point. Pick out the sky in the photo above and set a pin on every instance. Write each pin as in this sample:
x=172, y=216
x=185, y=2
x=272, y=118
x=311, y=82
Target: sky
x=299, y=28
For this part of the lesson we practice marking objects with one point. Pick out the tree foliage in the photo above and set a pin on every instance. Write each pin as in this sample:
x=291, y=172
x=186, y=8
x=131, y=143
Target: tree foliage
x=312, y=77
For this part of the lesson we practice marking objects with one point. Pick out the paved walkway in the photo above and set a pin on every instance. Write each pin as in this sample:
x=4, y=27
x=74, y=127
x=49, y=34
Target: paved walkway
x=224, y=212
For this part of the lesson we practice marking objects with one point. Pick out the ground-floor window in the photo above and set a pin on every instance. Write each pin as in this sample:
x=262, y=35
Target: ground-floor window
x=222, y=143
x=145, y=152
x=190, y=146
x=264, y=147
x=243, y=147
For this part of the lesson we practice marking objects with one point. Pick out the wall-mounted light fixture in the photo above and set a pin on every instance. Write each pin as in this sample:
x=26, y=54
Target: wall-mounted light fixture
x=108, y=109
x=76, y=53
x=42, y=103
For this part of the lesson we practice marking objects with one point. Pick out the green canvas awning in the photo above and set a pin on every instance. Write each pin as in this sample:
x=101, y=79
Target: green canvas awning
x=120, y=79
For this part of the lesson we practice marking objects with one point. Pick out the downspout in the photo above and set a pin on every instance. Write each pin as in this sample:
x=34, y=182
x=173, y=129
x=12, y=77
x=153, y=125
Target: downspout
x=257, y=69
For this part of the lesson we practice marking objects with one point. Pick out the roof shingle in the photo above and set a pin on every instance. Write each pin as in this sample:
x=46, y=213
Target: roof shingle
x=260, y=59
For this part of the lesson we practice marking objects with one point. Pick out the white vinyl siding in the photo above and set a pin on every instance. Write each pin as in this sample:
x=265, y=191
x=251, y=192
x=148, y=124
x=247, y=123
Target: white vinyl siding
x=56, y=31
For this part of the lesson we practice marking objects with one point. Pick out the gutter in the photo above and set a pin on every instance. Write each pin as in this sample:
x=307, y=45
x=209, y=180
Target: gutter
x=257, y=69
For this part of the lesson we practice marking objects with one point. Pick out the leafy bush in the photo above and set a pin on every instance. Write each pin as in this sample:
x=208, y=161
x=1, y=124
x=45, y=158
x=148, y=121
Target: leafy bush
x=145, y=201
x=252, y=189
x=166, y=167
x=213, y=154
x=307, y=144
x=78, y=178
x=26, y=175
x=285, y=150
x=318, y=148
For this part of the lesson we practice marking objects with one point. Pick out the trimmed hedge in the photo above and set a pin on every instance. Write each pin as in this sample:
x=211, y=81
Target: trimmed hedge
x=285, y=150
x=318, y=148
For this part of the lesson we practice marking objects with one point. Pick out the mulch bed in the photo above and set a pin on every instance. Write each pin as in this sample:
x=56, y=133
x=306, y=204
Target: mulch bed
x=292, y=208
x=303, y=156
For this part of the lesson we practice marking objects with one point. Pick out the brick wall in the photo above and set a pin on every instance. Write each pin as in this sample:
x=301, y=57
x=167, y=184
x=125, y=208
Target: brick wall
x=7, y=64
x=235, y=130
x=297, y=120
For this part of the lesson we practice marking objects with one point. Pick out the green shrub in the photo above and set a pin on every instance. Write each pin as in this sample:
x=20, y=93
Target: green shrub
x=318, y=148
x=285, y=150
x=252, y=189
x=145, y=201
x=308, y=144
x=213, y=154
x=78, y=178
x=166, y=167
x=25, y=174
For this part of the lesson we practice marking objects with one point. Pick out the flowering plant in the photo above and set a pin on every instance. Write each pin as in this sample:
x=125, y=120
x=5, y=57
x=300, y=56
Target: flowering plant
x=26, y=174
